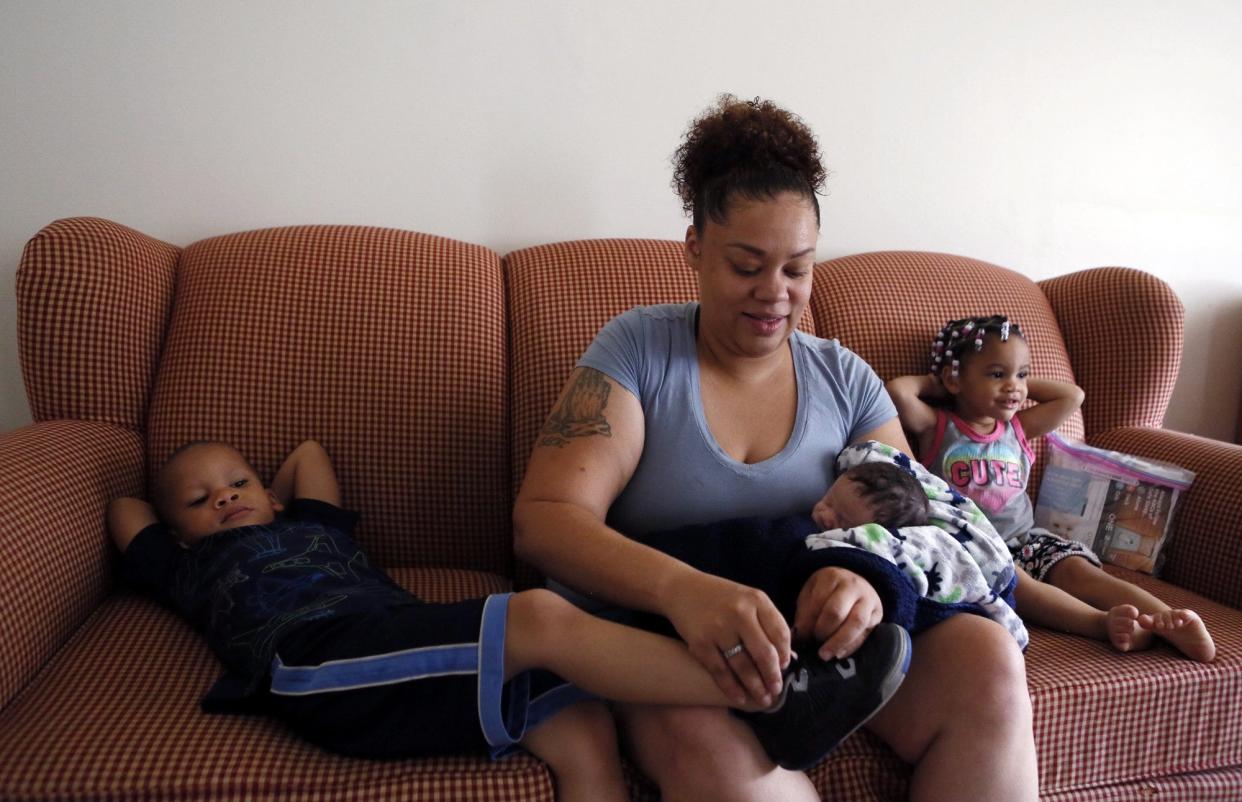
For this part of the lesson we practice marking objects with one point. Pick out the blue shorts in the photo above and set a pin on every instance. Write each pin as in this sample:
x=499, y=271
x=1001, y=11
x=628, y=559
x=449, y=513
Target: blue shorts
x=421, y=679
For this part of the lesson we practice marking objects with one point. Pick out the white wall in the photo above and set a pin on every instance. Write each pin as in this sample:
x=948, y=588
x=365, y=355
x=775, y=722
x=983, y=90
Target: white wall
x=1045, y=136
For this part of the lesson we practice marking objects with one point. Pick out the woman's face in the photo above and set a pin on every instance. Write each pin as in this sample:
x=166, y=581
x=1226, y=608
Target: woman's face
x=754, y=273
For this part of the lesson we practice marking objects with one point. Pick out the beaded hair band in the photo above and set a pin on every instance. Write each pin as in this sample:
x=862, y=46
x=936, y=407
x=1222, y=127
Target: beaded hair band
x=950, y=343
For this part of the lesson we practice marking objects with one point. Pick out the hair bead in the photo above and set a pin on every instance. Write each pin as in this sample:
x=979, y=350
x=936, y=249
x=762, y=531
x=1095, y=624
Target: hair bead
x=954, y=336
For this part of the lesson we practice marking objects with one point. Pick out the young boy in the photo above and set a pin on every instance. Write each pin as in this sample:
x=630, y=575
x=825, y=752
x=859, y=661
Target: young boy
x=310, y=631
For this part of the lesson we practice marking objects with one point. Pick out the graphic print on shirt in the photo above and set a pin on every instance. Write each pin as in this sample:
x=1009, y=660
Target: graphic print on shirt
x=988, y=473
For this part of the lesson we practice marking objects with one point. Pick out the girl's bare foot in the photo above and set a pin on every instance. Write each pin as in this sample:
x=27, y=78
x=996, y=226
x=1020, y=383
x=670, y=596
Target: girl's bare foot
x=1124, y=630
x=1184, y=629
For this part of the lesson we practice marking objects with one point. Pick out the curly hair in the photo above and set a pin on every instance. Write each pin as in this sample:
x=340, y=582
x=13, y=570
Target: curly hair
x=750, y=148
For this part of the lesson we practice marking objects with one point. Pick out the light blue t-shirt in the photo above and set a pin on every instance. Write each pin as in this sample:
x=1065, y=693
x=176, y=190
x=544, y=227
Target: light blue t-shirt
x=684, y=476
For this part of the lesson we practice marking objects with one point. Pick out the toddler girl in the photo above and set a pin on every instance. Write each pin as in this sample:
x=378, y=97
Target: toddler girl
x=979, y=442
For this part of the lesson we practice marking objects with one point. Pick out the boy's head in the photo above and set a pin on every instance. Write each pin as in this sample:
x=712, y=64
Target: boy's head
x=205, y=488
x=874, y=492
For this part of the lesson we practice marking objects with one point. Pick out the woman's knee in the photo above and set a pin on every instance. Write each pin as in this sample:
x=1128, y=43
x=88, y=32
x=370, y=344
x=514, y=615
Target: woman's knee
x=992, y=676
x=967, y=679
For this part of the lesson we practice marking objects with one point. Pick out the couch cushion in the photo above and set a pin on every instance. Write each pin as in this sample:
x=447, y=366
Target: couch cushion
x=389, y=347
x=1107, y=725
x=856, y=299
x=561, y=294
x=115, y=714
x=1102, y=718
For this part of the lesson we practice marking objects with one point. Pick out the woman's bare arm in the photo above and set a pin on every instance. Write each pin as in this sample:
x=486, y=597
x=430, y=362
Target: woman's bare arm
x=583, y=458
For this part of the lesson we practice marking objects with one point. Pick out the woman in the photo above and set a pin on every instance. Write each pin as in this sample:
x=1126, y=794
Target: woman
x=721, y=409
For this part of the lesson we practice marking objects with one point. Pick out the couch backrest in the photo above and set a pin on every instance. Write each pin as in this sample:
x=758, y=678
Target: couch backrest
x=1124, y=329
x=887, y=307
x=559, y=297
x=389, y=347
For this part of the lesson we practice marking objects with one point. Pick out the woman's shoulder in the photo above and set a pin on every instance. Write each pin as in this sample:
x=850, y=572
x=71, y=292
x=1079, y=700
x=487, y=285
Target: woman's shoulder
x=828, y=350
x=656, y=314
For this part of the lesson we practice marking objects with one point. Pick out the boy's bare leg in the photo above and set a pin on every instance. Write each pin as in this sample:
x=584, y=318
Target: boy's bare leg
x=579, y=744
x=1184, y=629
x=604, y=658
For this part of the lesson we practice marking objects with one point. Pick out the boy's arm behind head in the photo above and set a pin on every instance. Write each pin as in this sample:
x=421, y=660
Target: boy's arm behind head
x=126, y=518
x=307, y=473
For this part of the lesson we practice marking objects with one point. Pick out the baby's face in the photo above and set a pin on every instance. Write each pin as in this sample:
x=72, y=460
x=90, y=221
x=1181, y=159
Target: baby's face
x=210, y=488
x=843, y=506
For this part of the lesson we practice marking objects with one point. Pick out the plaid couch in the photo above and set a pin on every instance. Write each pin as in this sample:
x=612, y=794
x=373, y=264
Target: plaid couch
x=426, y=366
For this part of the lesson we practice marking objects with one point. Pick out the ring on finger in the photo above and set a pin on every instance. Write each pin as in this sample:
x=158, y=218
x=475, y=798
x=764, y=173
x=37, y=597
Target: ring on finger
x=734, y=650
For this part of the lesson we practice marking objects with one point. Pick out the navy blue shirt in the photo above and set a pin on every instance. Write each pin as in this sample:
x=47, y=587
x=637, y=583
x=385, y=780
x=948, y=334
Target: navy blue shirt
x=250, y=589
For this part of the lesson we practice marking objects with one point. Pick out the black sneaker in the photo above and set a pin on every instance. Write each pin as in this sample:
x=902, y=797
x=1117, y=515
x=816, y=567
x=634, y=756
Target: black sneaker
x=823, y=701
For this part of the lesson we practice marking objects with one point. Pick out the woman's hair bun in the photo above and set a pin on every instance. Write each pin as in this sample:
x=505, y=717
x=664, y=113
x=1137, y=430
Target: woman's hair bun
x=750, y=146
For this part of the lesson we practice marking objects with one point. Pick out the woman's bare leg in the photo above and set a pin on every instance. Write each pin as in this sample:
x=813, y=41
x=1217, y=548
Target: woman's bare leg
x=963, y=716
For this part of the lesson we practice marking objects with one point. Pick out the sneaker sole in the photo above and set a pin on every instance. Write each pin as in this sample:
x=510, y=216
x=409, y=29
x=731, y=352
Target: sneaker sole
x=892, y=680
x=888, y=687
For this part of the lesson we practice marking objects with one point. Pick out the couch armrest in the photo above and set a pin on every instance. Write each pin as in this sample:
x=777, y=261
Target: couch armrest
x=57, y=478
x=1205, y=548
x=1104, y=306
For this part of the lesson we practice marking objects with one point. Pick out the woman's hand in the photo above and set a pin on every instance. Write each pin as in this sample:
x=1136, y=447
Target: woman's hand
x=838, y=608
x=713, y=615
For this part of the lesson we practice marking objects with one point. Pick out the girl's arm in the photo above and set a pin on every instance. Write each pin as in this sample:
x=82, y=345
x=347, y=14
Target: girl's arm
x=909, y=394
x=307, y=473
x=1054, y=402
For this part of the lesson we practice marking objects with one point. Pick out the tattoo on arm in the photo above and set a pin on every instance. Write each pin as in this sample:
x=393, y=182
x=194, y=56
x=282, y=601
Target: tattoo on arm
x=581, y=412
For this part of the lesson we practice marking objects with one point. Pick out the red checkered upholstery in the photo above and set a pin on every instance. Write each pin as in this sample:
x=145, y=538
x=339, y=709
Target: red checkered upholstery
x=57, y=479
x=1124, y=329
x=426, y=366
x=388, y=347
x=92, y=301
x=1102, y=719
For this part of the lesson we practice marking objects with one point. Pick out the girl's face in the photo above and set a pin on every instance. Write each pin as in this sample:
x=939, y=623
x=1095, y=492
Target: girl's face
x=991, y=384
x=754, y=273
